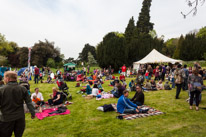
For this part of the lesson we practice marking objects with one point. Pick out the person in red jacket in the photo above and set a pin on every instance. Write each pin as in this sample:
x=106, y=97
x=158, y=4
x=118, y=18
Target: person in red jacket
x=124, y=70
x=121, y=77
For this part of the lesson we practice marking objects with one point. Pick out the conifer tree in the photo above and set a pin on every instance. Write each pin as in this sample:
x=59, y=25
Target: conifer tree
x=91, y=59
x=143, y=24
x=129, y=31
x=177, y=50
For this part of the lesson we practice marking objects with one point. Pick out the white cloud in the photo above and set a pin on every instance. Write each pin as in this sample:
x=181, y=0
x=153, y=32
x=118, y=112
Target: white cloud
x=73, y=23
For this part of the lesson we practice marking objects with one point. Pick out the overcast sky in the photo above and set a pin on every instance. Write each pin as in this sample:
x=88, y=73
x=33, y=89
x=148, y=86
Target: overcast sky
x=73, y=23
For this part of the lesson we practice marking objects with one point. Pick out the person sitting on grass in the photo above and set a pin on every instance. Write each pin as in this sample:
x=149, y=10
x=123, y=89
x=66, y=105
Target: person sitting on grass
x=114, y=82
x=167, y=86
x=88, y=87
x=38, y=95
x=148, y=85
x=132, y=85
x=124, y=105
x=153, y=85
x=56, y=97
x=138, y=98
x=124, y=83
x=119, y=91
x=99, y=85
x=160, y=85
x=95, y=91
x=37, y=103
x=121, y=77
x=49, y=80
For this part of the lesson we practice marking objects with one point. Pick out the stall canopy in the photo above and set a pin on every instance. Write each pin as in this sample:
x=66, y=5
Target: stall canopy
x=155, y=57
x=70, y=65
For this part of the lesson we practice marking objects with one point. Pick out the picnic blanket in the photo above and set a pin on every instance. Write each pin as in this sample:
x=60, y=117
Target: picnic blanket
x=48, y=113
x=151, y=112
x=45, y=106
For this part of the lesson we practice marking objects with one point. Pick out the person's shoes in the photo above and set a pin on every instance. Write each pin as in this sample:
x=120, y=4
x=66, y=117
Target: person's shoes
x=197, y=108
x=177, y=98
x=100, y=108
x=190, y=107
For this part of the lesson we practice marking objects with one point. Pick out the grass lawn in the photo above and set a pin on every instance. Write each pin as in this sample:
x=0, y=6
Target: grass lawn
x=85, y=120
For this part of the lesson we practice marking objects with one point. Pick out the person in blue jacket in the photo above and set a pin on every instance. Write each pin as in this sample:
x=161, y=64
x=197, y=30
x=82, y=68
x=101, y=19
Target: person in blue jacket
x=124, y=105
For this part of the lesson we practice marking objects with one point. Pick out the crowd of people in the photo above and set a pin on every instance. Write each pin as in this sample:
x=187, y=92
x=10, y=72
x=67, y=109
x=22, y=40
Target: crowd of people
x=147, y=78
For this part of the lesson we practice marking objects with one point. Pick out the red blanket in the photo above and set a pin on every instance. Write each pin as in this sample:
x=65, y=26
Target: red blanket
x=45, y=113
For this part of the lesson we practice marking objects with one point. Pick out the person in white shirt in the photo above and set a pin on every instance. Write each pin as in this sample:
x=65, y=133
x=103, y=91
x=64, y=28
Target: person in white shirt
x=37, y=94
x=95, y=90
x=160, y=85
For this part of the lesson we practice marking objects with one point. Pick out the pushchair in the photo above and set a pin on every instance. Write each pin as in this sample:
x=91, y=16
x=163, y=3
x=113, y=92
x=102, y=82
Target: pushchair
x=26, y=85
x=64, y=89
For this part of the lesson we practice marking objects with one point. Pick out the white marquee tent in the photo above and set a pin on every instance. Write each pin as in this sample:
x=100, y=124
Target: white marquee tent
x=154, y=57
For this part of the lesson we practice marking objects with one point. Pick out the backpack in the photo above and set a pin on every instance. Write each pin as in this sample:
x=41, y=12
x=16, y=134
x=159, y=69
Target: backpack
x=178, y=77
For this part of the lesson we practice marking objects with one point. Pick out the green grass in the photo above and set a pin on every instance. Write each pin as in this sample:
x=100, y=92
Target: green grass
x=85, y=120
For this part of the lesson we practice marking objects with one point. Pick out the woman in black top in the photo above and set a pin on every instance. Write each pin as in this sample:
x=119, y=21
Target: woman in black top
x=56, y=97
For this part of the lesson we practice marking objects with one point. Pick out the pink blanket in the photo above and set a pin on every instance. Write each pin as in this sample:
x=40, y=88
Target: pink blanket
x=45, y=113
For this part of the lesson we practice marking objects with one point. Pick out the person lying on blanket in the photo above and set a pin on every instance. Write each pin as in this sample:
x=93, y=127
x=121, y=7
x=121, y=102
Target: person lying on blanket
x=56, y=97
x=124, y=105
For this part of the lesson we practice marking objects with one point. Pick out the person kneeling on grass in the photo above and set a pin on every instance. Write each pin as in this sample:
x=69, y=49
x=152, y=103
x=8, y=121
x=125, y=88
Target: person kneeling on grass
x=56, y=97
x=124, y=105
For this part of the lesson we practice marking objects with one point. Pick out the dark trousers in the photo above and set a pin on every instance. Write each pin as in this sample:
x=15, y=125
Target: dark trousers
x=179, y=86
x=195, y=94
x=50, y=101
x=18, y=126
x=163, y=76
x=36, y=78
x=185, y=84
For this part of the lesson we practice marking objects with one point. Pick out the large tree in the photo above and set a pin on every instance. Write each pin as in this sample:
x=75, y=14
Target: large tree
x=83, y=56
x=23, y=56
x=143, y=24
x=42, y=51
x=112, y=51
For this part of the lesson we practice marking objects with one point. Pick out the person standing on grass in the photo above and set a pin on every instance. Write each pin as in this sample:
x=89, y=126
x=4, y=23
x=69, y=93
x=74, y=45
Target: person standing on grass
x=179, y=75
x=124, y=70
x=185, y=83
x=195, y=83
x=12, y=97
x=36, y=74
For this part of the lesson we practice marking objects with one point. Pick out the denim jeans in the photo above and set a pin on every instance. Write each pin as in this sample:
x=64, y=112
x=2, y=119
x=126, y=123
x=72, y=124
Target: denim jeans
x=36, y=77
x=173, y=82
x=130, y=111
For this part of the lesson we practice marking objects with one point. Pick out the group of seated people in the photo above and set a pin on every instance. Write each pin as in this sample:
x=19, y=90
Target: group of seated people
x=38, y=100
x=95, y=90
x=151, y=85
